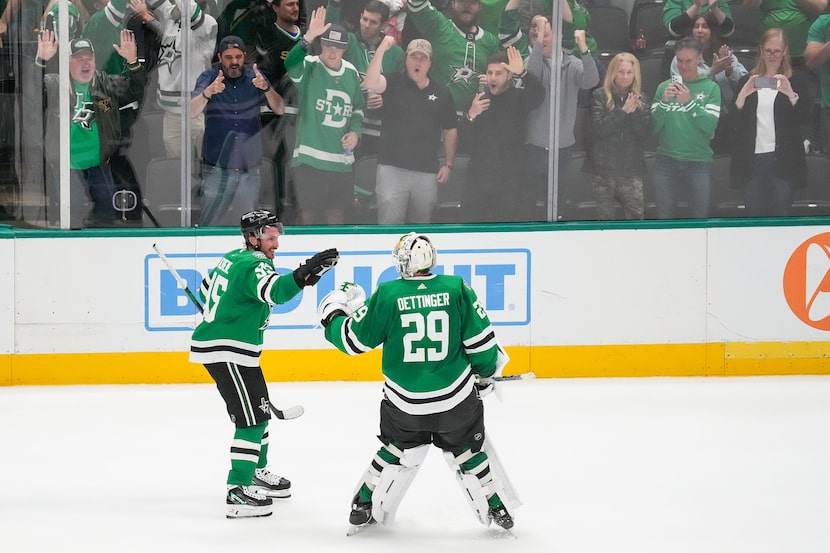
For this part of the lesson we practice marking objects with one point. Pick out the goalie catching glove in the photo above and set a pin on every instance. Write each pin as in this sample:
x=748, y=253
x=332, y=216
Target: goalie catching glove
x=309, y=273
x=343, y=300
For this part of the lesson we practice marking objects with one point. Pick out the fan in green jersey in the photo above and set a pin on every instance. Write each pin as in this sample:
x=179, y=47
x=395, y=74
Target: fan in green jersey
x=238, y=295
x=438, y=348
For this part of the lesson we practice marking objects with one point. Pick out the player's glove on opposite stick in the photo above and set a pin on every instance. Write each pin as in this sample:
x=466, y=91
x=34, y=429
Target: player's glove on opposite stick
x=309, y=272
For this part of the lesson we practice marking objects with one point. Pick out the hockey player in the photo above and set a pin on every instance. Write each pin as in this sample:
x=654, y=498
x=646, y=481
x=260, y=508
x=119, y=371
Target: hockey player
x=439, y=350
x=238, y=296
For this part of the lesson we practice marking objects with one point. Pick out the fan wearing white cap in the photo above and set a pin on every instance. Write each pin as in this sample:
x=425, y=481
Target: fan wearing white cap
x=363, y=44
x=329, y=122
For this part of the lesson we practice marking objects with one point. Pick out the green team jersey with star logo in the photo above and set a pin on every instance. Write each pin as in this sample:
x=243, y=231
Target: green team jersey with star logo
x=458, y=59
x=435, y=335
x=330, y=104
x=684, y=131
x=237, y=296
x=84, y=145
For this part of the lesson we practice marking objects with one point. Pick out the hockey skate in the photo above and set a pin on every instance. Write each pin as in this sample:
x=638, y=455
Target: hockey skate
x=270, y=484
x=244, y=501
x=360, y=517
x=501, y=517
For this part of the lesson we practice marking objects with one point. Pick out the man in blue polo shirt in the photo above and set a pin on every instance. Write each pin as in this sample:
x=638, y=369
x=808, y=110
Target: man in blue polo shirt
x=230, y=96
x=418, y=118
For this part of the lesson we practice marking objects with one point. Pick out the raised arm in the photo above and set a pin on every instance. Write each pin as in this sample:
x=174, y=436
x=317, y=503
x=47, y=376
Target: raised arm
x=374, y=79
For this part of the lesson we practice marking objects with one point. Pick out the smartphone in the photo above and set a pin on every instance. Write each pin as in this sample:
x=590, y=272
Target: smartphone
x=766, y=82
x=482, y=87
x=677, y=79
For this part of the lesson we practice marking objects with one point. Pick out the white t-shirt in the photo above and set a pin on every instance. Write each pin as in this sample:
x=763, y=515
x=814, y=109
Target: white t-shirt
x=765, y=115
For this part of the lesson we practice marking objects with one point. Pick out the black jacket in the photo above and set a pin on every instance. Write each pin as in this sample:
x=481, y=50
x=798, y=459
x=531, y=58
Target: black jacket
x=790, y=162
x=618, y=139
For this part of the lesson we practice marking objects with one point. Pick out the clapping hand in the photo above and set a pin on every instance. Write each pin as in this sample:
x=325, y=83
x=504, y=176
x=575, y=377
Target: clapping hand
x=632, y=102
x=722, y=61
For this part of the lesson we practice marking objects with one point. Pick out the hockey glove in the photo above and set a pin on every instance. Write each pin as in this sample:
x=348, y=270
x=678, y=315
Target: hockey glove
x=344, y=300
x=309, y=273
x=485, y=385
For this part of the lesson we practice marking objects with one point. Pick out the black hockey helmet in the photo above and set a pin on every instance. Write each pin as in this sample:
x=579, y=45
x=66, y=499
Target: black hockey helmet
x=253, y=222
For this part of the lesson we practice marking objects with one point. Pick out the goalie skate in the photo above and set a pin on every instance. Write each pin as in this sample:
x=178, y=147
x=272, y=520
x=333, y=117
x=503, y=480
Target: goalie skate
x=360, y=517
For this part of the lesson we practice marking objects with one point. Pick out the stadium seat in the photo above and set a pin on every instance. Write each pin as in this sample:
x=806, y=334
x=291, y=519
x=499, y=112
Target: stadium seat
x=448, y=209
x=648, y=16
x=653, y=72
x=609, y=28
x=162, y=192
x=747, y=21
x=814, y=198
x=726, y=201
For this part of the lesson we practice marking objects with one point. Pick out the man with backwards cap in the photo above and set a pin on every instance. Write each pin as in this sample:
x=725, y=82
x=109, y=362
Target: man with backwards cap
x=230, y=96
x=329, y=122
x=419, y=118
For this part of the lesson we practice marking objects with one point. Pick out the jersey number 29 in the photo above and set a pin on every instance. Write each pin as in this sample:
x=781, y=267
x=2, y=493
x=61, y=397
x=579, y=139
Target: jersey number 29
x=434, y=326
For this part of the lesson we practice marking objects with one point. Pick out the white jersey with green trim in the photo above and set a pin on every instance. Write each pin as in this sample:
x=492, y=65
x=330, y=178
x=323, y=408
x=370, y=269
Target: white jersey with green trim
x=238, y=295
x=435, y=333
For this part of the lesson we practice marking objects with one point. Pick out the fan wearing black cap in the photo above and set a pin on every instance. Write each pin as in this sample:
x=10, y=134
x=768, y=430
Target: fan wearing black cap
x=95, y=125
x=329, y=122
x=230, y=96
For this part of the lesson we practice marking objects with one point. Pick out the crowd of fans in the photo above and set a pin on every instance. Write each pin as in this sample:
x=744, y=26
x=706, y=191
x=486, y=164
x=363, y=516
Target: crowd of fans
x=318, y=88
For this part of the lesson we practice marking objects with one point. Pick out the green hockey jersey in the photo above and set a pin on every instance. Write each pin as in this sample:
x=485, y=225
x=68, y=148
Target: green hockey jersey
x=458, y=58
x=435, y=335
x=330, y=105
x=237, y=297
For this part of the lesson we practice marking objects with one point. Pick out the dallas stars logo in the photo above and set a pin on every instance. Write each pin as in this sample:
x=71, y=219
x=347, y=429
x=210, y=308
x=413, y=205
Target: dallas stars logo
x=463, y=74
x=263, y=405
x=169, y=53
x=82, y=113
x=432, y=97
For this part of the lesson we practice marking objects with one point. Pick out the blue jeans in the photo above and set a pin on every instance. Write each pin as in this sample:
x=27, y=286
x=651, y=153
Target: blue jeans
x=99, y=184
x=766, y=194
x=670, y=176
x=227, y=194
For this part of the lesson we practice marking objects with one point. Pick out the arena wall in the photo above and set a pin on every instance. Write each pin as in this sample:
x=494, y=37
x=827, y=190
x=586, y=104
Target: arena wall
x=714, y=298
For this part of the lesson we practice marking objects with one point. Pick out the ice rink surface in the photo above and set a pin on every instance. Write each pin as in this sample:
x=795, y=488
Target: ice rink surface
x=658, y=465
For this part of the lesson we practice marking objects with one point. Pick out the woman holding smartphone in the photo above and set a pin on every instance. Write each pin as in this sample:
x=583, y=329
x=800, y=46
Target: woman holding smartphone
x=768, y=158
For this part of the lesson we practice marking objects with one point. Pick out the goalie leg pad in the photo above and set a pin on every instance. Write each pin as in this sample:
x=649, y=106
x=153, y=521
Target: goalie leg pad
x=483, y=480
x=475, y=494
x=507, y=494
x=389, y=482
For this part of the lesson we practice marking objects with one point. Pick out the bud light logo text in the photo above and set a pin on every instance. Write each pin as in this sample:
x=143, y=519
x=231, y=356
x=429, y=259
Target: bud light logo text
x=500, y=278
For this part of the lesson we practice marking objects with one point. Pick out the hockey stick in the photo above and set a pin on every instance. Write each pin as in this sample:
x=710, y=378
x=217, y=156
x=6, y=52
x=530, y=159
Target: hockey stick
x=182, y=282
x=283, y=414
x=522, y=376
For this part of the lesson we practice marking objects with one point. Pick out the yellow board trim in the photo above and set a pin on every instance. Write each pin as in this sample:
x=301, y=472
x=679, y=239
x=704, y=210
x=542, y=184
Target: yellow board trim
x=729, y=359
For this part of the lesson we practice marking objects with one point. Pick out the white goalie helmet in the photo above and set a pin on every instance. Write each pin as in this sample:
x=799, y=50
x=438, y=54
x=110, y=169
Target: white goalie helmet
x=413, y=253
